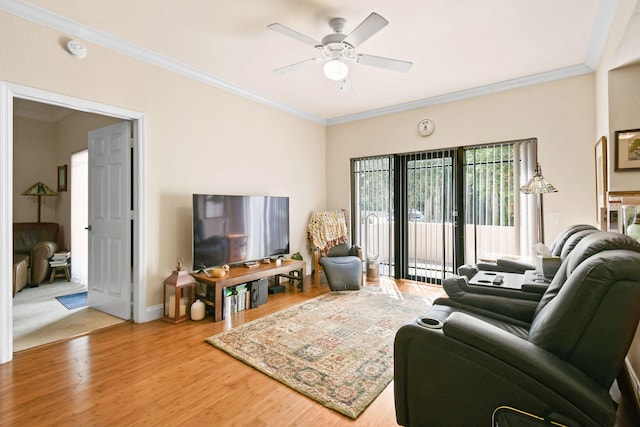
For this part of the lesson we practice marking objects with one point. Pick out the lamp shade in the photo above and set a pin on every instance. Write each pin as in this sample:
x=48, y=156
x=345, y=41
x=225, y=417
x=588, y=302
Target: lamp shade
x=39, y=189
x=336, y=70
x=538, y=184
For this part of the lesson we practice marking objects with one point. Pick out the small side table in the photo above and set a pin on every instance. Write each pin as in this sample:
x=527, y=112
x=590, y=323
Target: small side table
x=60, y=271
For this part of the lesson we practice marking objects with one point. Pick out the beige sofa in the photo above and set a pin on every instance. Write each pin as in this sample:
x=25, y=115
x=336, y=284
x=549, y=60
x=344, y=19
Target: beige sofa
x=34, y=243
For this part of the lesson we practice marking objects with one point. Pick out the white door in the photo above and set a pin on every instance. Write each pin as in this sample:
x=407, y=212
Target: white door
x=110, y=279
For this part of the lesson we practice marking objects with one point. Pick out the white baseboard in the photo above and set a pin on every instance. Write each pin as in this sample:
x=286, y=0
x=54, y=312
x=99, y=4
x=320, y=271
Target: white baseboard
x=151, y=313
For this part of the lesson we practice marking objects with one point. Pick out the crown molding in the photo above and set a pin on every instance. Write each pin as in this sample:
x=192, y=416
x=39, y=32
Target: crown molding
x=466, y=94
x=76, y=29
x=604, y=18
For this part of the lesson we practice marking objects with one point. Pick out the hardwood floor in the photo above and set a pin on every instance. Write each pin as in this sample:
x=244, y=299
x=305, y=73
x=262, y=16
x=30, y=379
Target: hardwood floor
x=157, y=373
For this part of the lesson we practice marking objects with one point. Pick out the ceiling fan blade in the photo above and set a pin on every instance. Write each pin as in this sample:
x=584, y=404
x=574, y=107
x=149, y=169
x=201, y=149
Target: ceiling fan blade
x=367, y=28
x=297, y=65
x=386, y=63
x=345, y=84
x=294, y=34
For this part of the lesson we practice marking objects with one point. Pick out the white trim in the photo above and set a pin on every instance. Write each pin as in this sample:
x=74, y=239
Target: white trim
x=152, y=313
x=8, y=91
x=6, y=214
x=139, y=225
x=535, y=79
x=604, y=18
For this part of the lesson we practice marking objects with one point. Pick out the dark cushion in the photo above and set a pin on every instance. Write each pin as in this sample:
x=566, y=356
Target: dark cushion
x=343, y=249
x=343, y=273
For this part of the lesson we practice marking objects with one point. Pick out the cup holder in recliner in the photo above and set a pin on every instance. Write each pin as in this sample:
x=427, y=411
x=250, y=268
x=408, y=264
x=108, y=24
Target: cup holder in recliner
x=430, y=323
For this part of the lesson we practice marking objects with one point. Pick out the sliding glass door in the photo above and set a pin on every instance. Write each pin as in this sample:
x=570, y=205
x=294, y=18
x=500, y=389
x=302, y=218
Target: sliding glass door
x=373, y=210
x=422, y=215
x=427, y=221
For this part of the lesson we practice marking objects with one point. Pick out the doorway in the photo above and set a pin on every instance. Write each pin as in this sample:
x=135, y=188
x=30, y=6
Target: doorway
x=79, y=215
x=10, y=91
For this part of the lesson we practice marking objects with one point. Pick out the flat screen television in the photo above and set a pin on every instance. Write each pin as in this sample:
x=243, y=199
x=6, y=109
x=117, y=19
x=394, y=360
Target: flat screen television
x=236, y=229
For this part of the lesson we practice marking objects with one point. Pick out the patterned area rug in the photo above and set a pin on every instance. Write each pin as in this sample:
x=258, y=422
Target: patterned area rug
x=336, y=348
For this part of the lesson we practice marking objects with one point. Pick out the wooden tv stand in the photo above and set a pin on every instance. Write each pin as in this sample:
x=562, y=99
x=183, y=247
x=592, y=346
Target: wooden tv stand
x=240, y=274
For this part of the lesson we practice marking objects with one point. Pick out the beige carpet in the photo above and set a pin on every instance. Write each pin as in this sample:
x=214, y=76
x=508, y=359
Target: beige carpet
x=38, y=318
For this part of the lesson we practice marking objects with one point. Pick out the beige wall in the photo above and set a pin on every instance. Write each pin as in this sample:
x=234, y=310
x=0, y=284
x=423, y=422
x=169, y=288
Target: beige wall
x=202, y=139
x=199, y=138
x=33, y=154
x=617, y=89
x=560, y=114
x=624, y=108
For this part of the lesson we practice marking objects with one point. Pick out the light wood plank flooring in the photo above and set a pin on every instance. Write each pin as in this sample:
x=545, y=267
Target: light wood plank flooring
x=157, y=373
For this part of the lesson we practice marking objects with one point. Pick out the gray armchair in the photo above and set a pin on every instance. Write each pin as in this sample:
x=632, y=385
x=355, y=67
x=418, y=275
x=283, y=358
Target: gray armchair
x=342, y=266
x=455, y=366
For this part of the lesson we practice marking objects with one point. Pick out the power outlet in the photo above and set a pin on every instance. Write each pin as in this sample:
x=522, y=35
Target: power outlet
x=554, y=217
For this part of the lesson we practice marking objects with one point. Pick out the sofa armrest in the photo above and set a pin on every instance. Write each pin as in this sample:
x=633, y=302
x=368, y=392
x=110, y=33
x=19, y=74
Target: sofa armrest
x=506, y=265
x=530, y=359
x=535, y=288
x=39, y=260
x=504, y=301
x=44, y=250
x=356, y=251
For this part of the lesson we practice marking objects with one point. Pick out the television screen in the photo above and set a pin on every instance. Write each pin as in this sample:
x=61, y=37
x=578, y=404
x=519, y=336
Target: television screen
x=236, y=229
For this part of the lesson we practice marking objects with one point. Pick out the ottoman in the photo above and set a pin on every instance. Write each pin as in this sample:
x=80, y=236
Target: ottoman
x=20, y=271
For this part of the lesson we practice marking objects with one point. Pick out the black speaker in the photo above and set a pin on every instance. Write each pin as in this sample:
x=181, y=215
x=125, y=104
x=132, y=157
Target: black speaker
x=259, y=292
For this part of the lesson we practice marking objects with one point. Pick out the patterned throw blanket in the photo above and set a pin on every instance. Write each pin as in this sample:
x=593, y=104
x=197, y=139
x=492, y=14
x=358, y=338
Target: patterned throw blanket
x=327, y=229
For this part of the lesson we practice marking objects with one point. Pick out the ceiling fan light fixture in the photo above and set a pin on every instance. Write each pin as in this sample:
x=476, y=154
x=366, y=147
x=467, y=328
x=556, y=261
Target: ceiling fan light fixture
x=336, y=70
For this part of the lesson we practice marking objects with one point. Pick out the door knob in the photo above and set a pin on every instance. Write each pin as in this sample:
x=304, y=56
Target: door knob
x=88, y=228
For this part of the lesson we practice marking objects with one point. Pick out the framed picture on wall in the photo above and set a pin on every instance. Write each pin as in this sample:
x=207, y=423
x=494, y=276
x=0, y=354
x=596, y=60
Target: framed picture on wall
x=601, y=177
x=628, y=150
x=62, y=178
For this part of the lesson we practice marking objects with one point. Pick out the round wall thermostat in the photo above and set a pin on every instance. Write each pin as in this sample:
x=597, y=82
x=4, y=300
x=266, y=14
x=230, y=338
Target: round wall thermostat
x=426, y=127
x=77, y=49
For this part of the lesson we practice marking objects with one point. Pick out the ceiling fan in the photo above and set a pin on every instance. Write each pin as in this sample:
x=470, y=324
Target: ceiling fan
x=337, y=48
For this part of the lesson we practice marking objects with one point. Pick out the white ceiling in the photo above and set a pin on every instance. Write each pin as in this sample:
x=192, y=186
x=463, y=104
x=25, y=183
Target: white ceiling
x=458, y=48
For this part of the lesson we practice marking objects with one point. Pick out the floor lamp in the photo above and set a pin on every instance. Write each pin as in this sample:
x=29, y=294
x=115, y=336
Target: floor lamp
x=39, y=189
x=538, y=185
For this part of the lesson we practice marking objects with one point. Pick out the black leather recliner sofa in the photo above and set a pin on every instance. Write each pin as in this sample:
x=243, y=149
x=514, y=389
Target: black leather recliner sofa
x=458, y=364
